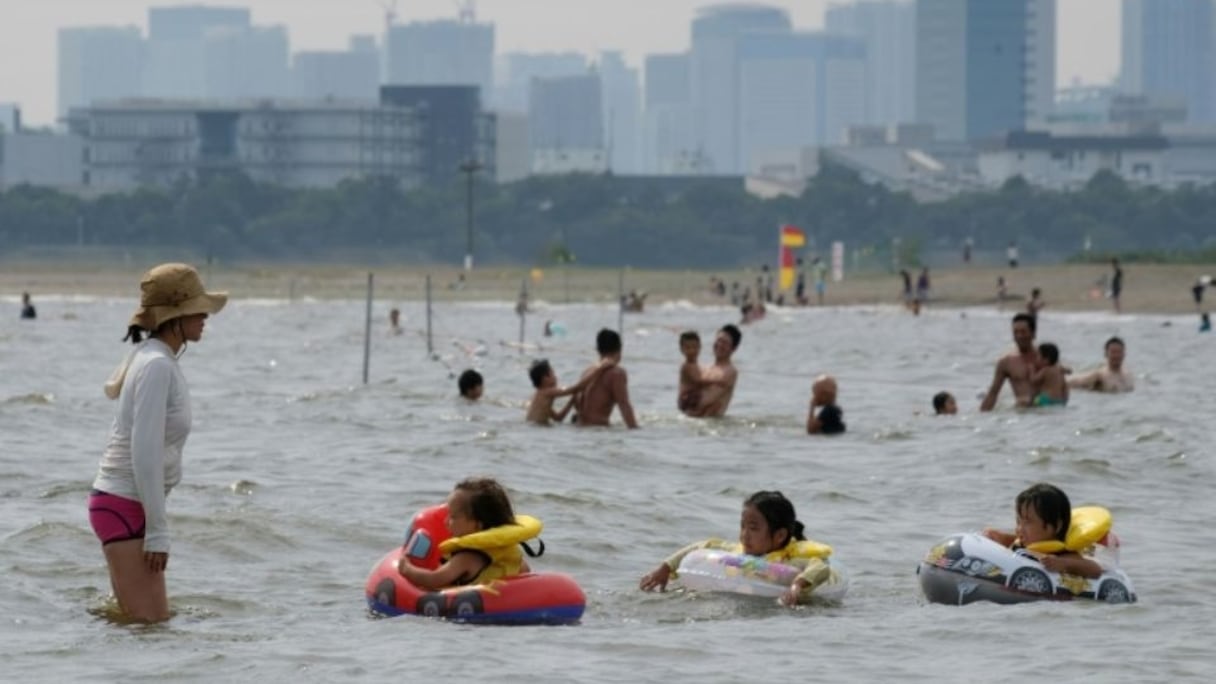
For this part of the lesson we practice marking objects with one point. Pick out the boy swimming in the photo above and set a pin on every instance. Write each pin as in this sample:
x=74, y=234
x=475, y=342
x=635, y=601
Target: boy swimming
x=1051, y=387
x=540, y=409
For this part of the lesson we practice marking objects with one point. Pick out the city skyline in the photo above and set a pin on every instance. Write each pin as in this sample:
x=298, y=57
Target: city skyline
x=28, y=45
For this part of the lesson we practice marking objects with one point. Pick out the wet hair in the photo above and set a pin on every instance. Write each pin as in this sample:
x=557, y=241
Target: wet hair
x=608, y=342
x=939, y=401
x=488, y=502
x=689, y=336
x=539, y=371
x=778, y=512
x=1050, y=352
x=733, y=333
x=468, y=380
x=1027, y=318
x=1051, y=504
x=1114, y=340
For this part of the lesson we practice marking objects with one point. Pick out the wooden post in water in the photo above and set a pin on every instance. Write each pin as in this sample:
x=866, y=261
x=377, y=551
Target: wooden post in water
x=367, y=328
x=620, y=298
x=430, y=346
x=522, y=307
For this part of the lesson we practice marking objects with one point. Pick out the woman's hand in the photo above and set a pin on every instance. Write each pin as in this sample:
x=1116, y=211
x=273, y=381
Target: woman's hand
x=156, y=561
x=656, y=579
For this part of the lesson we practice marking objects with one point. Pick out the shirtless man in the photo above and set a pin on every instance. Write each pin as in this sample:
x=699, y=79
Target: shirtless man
x=1110, y=377
x=1016, y=366
x=722, y=375
x=611, y=389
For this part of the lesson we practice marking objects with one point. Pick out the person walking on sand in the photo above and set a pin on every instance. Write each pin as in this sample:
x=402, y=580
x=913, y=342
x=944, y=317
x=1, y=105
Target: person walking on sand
x=1012, y=253
x=1116, y=284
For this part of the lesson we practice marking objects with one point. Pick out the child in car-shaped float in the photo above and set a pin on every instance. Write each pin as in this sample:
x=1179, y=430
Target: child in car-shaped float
x=483, y=576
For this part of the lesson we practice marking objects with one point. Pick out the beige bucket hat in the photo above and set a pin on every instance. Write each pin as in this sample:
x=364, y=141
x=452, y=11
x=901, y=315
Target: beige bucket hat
x=171, y=291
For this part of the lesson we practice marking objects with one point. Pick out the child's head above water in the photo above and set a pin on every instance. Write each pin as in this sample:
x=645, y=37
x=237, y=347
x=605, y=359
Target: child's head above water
x=823, y=390
x=768, y=523
x=944, y=404
x=470, y=385
x=1050, y=353
x=690, y=345
x=478, y=503
x=1043, y=513
x=540, y=372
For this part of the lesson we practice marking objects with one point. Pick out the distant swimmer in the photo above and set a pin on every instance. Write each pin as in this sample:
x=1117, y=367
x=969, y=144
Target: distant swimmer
x=944, y=404
x=719, y=380
x=28, y=312
x=609, y=388
x=1016, y=366
x=825, y=416
x=470, y=384
x=1111, y=376
x=394, y=322
x=1050, y=386
x=540, y=409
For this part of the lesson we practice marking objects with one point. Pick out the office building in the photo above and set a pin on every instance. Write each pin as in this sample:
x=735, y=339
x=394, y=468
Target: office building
x=349, y=74
x=669, y=141
x=565, y=124
x=98, y=63
x=515, y=72
x=1169, y=50
x=715, y=78
x=441, y=53
x=452, y=129
x=980, y=66
x=176, y=49
x=621, y=100
x=242, y=63
x=888, y=29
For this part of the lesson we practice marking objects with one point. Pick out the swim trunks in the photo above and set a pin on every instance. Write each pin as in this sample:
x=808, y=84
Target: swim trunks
x=115, y=518
x=1044, y=400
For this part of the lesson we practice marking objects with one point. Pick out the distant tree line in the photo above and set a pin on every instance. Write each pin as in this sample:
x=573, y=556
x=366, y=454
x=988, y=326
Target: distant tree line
x=605, y=220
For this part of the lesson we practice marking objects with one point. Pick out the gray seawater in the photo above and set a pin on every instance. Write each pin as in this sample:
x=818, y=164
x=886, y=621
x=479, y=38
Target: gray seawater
x=298, y=478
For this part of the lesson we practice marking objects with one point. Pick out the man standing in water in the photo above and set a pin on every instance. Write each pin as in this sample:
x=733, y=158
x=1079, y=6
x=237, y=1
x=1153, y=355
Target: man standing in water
x=716, y=397
x=611, y=389
x=1110, y=377
x=1016, y=366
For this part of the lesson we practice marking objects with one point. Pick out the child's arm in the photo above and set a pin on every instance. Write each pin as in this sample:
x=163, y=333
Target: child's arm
x=816, y=573
x=559, y=416
x=658, y=578
x=1072, y=564
x=459, y=566
x=1005, y=539
x=690, y=374
x=582, y=383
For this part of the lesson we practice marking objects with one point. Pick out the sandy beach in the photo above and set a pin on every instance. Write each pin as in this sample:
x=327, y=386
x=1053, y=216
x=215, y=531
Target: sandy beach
x=1162, y=289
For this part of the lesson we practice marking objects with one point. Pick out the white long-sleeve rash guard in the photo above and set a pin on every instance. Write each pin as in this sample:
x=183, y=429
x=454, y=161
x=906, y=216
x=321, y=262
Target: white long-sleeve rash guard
x=143, y=459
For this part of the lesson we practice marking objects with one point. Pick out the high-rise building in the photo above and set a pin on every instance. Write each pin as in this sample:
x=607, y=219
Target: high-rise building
x=715, y=78
x=888, y=28
x=669, y=142
x=798, y=90
x=622, y=110
x=1041, y=61
x=565, y=124
x=516, y=70
x=349, y=74
x=1169, y=50
x=450, y=122
x=441, y=53
x=10, y=118
x=976, y=65
x=176, y=59
x=98, y=63
x=246, y=62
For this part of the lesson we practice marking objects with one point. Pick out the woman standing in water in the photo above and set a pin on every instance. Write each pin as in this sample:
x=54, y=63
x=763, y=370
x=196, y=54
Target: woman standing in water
x=142, y=461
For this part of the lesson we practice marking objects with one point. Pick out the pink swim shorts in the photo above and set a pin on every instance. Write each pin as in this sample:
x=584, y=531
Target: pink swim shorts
x=115, y=518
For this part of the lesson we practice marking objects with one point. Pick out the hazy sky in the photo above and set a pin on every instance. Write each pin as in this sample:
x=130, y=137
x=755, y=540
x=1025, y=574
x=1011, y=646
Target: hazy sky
x=1088, y=31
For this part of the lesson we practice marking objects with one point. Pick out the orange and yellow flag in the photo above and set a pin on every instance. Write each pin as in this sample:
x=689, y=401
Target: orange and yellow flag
x=791, y=237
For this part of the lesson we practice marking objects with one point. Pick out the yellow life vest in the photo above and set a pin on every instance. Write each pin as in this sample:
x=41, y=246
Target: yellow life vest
x=795, y=549
x=1086, y=527
x=499, y=544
